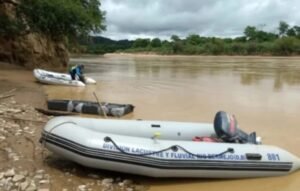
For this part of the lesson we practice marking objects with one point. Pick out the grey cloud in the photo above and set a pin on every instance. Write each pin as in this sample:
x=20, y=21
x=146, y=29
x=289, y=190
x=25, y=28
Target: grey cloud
x=162, y=18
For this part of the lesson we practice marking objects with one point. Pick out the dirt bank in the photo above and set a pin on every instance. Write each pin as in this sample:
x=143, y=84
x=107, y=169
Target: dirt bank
x=24, y=164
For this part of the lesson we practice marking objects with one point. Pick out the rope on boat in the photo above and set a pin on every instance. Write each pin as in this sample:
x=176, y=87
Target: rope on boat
x=174, y=148
x=43, y=140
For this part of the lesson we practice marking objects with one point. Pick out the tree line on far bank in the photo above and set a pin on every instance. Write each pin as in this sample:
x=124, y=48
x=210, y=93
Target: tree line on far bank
x=285, y=42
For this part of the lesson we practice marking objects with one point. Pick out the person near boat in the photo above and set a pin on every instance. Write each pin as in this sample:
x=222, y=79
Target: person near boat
x=76, y=73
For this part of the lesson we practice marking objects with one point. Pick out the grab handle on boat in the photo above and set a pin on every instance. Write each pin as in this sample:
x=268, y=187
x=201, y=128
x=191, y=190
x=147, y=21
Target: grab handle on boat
x=253, y=156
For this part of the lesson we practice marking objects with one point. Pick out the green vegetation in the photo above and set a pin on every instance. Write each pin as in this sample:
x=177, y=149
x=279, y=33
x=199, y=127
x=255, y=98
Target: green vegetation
x=56, y=19
x=9, y=26
x=254, y=42
x=72, y=21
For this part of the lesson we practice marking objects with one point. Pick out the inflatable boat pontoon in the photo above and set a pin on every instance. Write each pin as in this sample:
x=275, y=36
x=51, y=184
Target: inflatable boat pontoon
x=167, y=149
x=88, y=107
x=55, y=78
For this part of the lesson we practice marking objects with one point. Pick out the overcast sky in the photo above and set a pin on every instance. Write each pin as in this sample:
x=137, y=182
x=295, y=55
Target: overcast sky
x=131, y=19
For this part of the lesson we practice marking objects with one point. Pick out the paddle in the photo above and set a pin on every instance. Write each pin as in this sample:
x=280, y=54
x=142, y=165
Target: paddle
x=104, y=113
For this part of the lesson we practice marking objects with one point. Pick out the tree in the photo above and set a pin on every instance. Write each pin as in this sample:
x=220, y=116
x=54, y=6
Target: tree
x=60, y=18
x=291, y=32
x=175, y=38
x=10, y=27
x=141, y=43
x=262, y=36
x=294, y=31
x=297, y=30
x=193, y=39
x=286, y=45
x=156, y=42
x=216, y=46
x=240, y=39
x=283, y=27
x=250, y=33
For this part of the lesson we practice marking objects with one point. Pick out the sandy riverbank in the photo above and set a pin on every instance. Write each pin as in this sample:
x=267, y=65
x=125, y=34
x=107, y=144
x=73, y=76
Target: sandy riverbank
x=27, y=91
x=24, y=164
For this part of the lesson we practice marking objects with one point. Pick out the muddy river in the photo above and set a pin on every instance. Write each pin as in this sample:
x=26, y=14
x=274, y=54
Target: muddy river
x=262, y=92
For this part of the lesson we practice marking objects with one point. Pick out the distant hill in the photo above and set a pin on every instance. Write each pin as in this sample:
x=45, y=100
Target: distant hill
x=100, y=39
x=101, y=45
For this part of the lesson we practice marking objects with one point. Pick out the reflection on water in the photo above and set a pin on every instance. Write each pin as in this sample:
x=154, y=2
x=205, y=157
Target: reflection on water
x=263, y=92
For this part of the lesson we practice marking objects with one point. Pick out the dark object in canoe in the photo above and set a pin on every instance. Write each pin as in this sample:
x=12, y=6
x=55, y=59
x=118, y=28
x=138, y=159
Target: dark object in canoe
x=88, y=107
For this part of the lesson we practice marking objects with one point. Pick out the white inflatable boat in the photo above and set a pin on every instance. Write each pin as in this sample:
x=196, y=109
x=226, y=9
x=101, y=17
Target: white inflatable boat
x=55, y=78
x=166, y=149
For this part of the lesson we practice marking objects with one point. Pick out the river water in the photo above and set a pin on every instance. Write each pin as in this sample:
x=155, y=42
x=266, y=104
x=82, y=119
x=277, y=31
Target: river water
x=262, y=92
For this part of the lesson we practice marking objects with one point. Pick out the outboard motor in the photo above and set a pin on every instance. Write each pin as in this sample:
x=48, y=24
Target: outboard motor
x=226, y=128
